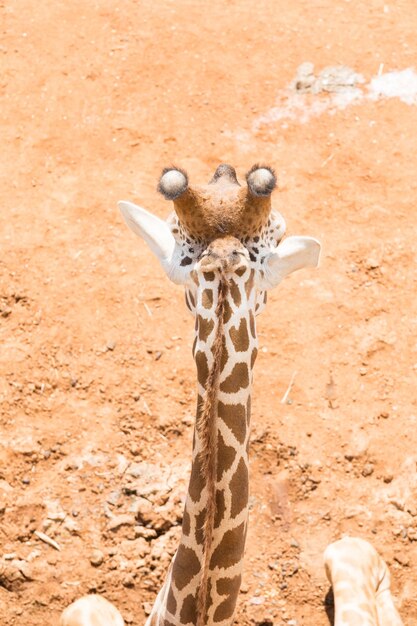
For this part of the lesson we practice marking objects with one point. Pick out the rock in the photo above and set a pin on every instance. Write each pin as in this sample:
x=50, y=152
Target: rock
x=121, y=520
x=14, y=573
x=134, y=449
x=96, y=558
x=147, y=607
x=114, y=497
x=146, y=533
x=72, y=526
x=368, y=470
x=372, y=263
x=143, y=509
x=128, y=581
x=402, y=559
x=357, y=447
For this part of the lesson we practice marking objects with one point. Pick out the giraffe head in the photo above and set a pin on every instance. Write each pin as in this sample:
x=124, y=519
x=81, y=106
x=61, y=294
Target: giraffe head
x=222, y=227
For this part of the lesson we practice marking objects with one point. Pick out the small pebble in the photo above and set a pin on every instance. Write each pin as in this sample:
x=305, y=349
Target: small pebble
x=128, y=581
x=96, y=558
x=368, y=470
x=134, y=449
x=147, y=607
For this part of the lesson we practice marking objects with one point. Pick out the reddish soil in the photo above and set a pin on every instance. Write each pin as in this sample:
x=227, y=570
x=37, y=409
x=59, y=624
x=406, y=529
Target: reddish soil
x=97, y=382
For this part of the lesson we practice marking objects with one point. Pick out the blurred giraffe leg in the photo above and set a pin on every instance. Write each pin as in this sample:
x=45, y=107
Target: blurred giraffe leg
x=352, y=568
x=387, y=613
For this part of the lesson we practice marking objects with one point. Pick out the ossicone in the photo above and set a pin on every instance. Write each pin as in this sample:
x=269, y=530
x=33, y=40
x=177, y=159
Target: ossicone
x=261, y=180
x=173, y=182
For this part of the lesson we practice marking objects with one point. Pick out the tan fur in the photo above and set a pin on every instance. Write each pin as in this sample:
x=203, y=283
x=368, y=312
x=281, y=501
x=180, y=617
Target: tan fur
x=222, y=208
x=207, y=430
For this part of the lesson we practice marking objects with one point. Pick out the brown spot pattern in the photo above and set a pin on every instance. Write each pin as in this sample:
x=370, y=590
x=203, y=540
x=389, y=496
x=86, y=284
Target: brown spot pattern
x=209, y=276
x=235, y=293
x=240, y=336
x=240, y=271
x=227, y=311
x=229, y=587
x=196, y=481
x=171, y=602
x=252, y=324
x=207, y=298
x=248, y=410
x=225, y=355
x=237, y=379
x=202, y=368
x=249, y=284
x=234, y=415
x=186, y=523
x=239, y=486
x=205, y=327
x=186, y=565
x=189, y=610
x=220, y=508
x=225, y=456
x=230, y=549
x=191, y=298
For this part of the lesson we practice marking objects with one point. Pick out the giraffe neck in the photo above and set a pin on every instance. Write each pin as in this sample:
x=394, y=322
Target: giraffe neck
x=204, y=579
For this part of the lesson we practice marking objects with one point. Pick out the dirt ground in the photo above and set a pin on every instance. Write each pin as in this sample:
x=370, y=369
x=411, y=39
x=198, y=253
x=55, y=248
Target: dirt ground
x=97, y=381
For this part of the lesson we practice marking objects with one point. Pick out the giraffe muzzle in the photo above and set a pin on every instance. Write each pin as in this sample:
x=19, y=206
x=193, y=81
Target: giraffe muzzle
x=225, y=255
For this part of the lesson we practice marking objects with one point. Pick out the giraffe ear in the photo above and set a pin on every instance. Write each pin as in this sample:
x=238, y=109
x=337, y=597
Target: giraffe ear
x=159, y=238
x=292, y=254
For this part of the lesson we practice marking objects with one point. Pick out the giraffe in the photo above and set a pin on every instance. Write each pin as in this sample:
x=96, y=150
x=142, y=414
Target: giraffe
x=224, y=243
x=361, y=584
